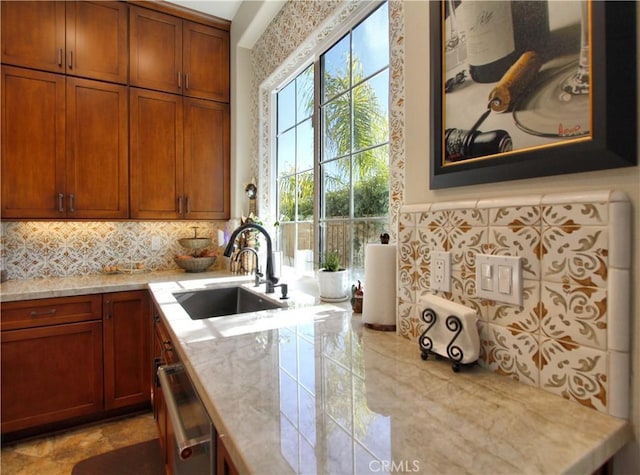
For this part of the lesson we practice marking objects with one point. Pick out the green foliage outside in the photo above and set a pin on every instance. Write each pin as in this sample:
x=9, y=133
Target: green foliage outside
x=370, y=170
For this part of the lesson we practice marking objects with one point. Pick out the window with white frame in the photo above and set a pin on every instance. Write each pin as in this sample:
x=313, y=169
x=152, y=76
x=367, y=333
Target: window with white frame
x=345, y=158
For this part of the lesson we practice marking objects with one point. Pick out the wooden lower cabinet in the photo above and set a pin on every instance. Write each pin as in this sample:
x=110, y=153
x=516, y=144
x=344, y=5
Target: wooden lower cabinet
x=162, y=355
x=50, y=374
x=72, y=359
x=126, y=326
x=224, y=464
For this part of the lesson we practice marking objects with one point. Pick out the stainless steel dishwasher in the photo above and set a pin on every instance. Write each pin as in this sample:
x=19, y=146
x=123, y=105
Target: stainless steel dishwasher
x=194, y=433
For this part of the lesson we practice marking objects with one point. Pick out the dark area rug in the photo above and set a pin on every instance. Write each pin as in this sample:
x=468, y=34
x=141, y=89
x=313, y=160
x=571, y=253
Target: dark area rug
x=145, y=458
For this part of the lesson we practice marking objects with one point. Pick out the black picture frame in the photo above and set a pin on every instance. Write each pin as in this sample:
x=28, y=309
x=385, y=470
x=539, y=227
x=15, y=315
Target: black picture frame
x=613, y=141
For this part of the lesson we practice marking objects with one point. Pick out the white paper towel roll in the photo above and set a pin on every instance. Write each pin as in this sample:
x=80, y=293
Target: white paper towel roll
x=379, y=305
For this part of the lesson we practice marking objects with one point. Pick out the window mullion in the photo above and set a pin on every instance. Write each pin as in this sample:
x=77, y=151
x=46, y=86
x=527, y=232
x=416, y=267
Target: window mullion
x=317, y=153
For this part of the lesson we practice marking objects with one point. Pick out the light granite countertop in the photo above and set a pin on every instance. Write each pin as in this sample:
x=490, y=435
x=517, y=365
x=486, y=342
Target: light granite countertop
x=13, y=290
x=311, y=390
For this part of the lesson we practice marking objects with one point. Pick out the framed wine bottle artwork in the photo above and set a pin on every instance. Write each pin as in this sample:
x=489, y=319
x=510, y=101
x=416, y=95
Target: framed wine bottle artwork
x=521, y=89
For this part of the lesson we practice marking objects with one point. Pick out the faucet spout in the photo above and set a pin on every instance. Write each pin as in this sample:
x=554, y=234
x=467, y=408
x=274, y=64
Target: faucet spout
x=271, y=278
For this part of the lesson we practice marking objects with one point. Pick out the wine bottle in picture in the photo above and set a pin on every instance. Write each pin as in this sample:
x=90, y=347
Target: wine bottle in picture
x=491, y=46
x=498, y=32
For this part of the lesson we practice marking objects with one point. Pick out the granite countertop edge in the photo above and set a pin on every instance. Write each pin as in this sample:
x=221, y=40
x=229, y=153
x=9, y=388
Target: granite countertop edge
x=51, y=287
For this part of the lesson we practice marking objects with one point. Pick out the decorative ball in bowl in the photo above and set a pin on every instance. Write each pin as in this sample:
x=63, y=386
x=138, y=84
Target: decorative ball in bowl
x=195, y=264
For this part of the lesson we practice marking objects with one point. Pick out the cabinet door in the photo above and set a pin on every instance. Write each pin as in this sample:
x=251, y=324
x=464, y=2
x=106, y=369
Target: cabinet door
x=206, y=62
x=163, y=351
x=224, y=464
x=206, y=159
x=96, y=40
x=155, y=52
x=126, y=326
x=33, y=143
x=50, y=374
x=156, y=155
x=97, y=167
x=157, y=399
x=33, y=34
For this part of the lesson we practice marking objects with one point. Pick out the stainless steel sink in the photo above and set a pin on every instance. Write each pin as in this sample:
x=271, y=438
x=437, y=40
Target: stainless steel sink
x=221, y=301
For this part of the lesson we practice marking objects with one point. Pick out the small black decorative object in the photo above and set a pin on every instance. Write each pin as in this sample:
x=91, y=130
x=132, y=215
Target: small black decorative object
x=455, y=353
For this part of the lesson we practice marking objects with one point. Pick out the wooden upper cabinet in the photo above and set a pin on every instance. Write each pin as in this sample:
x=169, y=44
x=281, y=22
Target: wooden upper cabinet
x=64, y=146
x=206, y=159
x=97, y=45
x=33, y=34
x=97, y=164
x=155, y=52
x=33, y=143
x=206, y=62
x=179, y=157
x=173, y=55
x=156, y=120
x=86, y=39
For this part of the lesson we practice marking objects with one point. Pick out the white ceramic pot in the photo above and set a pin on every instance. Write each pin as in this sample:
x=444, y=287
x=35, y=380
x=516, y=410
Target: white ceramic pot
x=334, y=286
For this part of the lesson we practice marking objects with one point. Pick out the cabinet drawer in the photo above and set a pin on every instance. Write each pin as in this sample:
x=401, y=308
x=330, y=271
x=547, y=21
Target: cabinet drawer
x=36, y=313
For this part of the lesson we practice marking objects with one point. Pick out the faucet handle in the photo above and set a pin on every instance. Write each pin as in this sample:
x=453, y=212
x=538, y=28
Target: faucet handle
x=284, y=289
x=258, y=277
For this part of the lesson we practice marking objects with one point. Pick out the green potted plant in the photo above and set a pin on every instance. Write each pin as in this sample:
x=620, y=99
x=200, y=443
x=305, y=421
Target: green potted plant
x=333, y=279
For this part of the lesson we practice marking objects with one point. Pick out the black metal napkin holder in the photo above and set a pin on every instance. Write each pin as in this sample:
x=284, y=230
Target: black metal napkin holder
x=455, y=353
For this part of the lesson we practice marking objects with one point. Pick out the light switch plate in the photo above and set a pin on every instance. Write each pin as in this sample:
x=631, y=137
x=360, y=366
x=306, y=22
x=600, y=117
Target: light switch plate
x=499, y=278
x=441, y=271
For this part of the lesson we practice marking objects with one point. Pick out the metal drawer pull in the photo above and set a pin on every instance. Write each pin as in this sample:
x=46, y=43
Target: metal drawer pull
x=60, y=57
x=186, y=81
x=179, y=80
x=42, y=314
x=185, y=445
x=60, y=203
x=70, y=59
x=71, y=200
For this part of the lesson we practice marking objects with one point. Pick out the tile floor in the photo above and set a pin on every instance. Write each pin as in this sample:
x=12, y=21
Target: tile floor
x=57, y=454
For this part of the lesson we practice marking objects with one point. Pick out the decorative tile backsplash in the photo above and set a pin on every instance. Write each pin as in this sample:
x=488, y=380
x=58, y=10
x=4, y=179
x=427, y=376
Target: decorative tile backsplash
x=60, y=249
x=571, y=335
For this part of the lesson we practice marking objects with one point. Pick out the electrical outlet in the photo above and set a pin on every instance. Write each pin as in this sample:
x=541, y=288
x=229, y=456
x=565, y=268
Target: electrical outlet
x=441, y=271
x=155, y=243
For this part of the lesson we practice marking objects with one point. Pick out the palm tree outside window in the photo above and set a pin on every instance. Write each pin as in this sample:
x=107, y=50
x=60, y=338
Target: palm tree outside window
x=345, y=158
